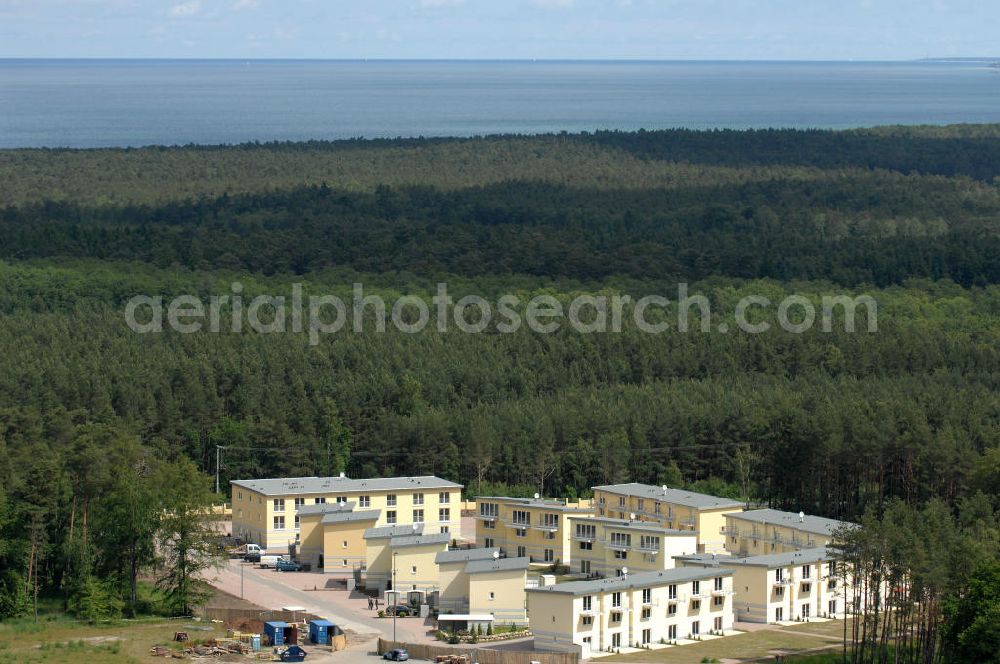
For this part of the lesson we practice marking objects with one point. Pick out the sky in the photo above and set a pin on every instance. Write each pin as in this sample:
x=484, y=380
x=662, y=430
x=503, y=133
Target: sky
x=498, y=29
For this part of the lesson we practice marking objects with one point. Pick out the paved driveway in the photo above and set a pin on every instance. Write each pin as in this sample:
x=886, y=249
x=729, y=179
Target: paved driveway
x=349, y=610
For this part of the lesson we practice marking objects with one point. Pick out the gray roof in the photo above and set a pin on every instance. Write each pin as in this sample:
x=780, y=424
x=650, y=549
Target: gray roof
x=385, y=532
x=325, y=508
x=538, y=503
x=464, y=555
x=772, y=560
x=647, y=526
x=345, y=517
x=676, y=496
x=638, y=580
x=810, y=524
x=499, y=565
x=287, y=486
x=419, y=540
x=706, y=559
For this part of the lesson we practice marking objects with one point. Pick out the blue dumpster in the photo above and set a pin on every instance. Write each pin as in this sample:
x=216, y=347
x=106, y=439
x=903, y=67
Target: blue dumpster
x=319, y=632
x=275, y=631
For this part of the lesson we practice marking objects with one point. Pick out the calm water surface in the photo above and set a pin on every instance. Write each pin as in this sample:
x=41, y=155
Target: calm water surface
x=87, y=103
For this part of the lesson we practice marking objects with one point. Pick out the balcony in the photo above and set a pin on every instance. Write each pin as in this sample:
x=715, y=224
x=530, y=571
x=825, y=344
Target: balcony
x=648, y=549
x=691, y=521
x=783, y=582
x=549, y=527
x=721, y=592
x=681, y=597
x=585, y=537
x=487, y=517
x=617, y=546
x=698, y=595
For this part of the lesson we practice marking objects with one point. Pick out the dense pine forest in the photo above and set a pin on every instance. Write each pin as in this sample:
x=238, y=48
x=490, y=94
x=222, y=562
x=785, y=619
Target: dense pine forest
x=830, y=422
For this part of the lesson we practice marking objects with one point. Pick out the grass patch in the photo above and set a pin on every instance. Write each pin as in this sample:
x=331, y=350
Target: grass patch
x=58, y=640
x=742, y=646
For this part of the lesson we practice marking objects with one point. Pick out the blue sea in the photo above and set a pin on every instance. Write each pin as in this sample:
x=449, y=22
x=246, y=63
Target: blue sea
x=106, y=103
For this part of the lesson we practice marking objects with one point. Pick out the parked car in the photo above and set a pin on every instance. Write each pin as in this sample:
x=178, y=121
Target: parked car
x=397, y=655
x=285, y=565
x=400, y=610
x=293, y=654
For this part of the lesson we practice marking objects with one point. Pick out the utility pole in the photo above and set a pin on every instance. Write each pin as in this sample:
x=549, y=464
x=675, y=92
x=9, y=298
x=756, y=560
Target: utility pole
x=218, y=458
x=395, y=597
x=241, y=580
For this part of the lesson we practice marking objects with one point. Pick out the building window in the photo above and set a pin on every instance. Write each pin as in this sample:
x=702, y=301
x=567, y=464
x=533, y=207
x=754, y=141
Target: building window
x=390, y=517
x=586, y=546
x=489, y=524
x=779, y=575
x=639, y=504
x=695, y=628
x=444, y=497
x=299, y=502
x=341, y=500
x=390, y=500
x=488, y=542
x=489, y=510
x=647, y=635
x=718, y=624
x=621, y=540
x=364, y=501
x=696, y=605
x=588, y=621
x=616, y=600
x=296, y=522
x=616, y=616
x=806, y=571
x=806, y=587
x=550, y=534
x=649, y=543
x=418, y=499
x=806, y=609
x=647, y=595
x=672, y=632
x=550, y=520
x=521, y=532
x=279, y=504
x=584, y=567
x=586, y=531
x=279, y=523
x=445, y=529
x=718, y=601
x=779, y=591
x=444, y=514
x=240, y=494
x=493, y=595
x=413, y=569
x=672, y=610
x=779, y=614
x=621, y=555
x=343, y=544
x=621, y=501
x=718, y=583
x=616, y=638
x=320, y=501
x=549, y=556
x=418, y=516
x=672, y=592
x=646, y=613
x=521, y=552
x=588, y=603
x=521, y=518
x=695, y=587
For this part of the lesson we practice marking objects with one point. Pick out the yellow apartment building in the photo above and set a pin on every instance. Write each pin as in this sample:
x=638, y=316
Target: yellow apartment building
x=527, y=527
x=453, y=583
x=407, y=553
x=332, y=536
x=674, y=509
x=765, y=531
x=484, y=591
x=781, y=587
x=636, y=609
x=604, y=546
x=266, y=511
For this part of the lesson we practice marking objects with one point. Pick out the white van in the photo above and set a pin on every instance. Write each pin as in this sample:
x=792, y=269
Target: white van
x=269, y=561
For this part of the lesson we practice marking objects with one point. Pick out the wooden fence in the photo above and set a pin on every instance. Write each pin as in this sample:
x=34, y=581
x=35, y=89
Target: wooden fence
x=480, y=655
x=232, y=615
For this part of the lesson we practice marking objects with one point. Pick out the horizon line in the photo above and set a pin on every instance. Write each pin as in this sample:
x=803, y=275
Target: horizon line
x=643, y=59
